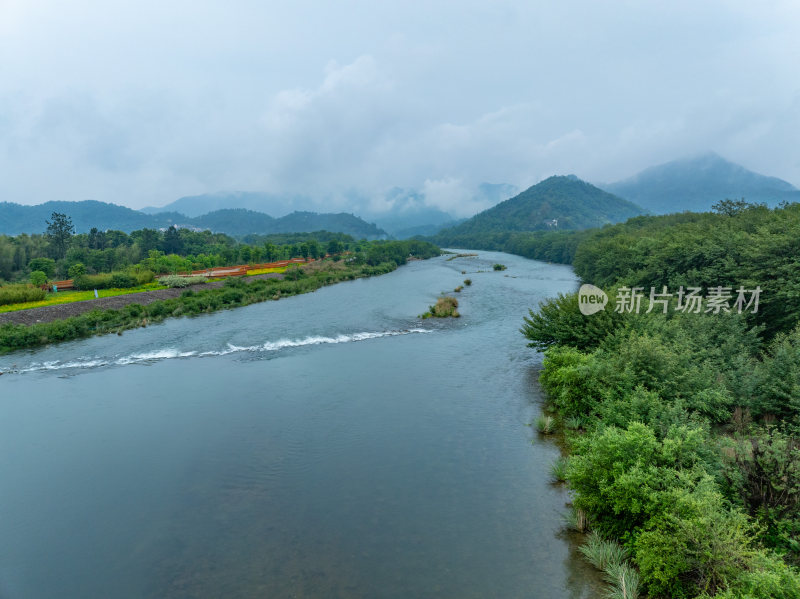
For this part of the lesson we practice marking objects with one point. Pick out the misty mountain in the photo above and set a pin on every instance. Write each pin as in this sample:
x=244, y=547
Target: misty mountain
x=557, y=203
x=697, y=183
x=238, y=222
x=256, y=201
x=410, y=213
x=16, y=219
x=407, y=213
x=401, y=212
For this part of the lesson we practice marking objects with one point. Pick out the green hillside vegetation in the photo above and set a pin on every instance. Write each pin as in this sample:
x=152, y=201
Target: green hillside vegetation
x=322, y=236
x=683, y=429
x=557, y=203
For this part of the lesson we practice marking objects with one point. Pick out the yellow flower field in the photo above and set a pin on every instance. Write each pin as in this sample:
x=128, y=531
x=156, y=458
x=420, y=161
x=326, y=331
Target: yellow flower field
x=67, y=297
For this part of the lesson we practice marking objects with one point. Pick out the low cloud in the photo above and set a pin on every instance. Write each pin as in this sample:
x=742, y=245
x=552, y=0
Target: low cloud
x=143, y=106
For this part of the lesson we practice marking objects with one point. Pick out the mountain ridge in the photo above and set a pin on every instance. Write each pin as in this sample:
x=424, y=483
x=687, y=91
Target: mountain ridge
x=556, y=203
x=16, y=219
x=696, y=183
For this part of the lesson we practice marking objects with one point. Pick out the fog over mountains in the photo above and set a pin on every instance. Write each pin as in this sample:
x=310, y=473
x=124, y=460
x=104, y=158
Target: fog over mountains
x=694, y=184
x=697, y=183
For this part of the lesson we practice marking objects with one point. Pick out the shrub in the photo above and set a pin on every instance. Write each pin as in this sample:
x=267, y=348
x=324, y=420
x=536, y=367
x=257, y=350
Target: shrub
x=46, y=265
x=499, y=267
x=144, y=276
x=88, y=282
x=76, y=270
x=122, y=280
x=766, y=577
x=17, y=294
x=558, y=470
x=467, y=282
x=558, y=321
x=445, y=307
x=179, y=281
x=545, y=424
x=696, y=543
x=38, y=278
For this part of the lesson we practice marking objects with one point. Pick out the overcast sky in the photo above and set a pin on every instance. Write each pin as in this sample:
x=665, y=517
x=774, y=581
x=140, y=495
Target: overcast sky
x=139, y=103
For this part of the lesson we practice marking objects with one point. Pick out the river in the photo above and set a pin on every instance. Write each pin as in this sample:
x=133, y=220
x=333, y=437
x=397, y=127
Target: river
x=327, y=445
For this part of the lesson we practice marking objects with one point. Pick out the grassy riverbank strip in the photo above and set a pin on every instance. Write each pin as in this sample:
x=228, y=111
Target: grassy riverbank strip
x=68, y=297
x=234, y=293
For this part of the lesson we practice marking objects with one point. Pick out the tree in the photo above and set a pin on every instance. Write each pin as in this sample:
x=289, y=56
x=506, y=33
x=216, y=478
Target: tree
x=172, y=244
x=334, y=247
x=314, y=249
x=59, y=233
x=730, y=207
x=38, y=278
x=45, y=265
x=97, y=239
x=76, y=270
x=147, y=239
x=270, y=251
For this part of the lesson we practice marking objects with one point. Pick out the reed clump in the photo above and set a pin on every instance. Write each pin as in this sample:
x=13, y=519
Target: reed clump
x=445, y=307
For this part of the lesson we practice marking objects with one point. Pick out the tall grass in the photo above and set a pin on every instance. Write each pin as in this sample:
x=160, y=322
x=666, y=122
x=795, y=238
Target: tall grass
x=17, y=294
x=575, y=519
x=558, y=470
x=545, y=424
x=623, y=581
x=601, y=553
x=611, y=558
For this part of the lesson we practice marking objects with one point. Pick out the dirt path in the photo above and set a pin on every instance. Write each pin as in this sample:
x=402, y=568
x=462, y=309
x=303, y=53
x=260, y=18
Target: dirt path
x=60, y=311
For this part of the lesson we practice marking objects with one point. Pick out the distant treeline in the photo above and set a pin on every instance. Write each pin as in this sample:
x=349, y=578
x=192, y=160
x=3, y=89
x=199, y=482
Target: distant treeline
x=60, y=252
x=548, y=246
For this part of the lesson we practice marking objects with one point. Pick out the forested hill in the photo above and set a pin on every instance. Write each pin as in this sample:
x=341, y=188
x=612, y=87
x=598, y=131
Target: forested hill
x=16, y=219
x=558, y=203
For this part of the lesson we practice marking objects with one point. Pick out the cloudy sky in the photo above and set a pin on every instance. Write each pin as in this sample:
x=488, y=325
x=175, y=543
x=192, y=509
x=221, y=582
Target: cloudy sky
x=139, y=103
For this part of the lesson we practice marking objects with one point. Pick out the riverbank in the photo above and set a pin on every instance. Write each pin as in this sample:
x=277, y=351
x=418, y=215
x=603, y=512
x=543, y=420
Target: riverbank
x=96, y=318
x=47, y=314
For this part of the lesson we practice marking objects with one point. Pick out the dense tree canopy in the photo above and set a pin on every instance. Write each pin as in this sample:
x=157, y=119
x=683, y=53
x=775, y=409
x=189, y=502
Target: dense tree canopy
x=683, y=427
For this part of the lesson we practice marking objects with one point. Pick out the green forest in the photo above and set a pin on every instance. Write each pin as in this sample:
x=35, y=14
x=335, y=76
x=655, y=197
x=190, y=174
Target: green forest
x=59, y=252
x=683, y=429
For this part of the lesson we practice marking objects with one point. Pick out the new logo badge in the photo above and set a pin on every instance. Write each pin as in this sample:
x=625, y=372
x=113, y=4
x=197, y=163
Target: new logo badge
x=591, y=299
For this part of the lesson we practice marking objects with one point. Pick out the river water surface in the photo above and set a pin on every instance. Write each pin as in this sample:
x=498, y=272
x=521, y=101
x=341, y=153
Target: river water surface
x=327, y=445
